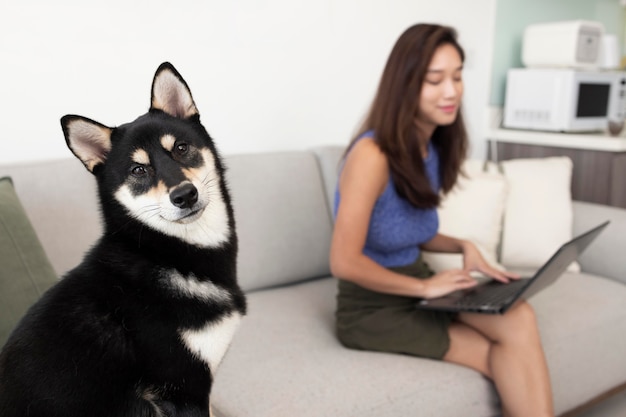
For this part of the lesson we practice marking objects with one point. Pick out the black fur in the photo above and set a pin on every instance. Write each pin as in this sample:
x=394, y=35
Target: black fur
x=106, y=340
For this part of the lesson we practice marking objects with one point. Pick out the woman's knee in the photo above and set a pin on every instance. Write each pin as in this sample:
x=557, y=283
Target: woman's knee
x=517, y=324
x=521, y=321
x=523, y=313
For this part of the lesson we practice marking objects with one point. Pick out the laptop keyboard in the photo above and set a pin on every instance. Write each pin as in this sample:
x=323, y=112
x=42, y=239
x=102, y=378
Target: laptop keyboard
x=492, y=293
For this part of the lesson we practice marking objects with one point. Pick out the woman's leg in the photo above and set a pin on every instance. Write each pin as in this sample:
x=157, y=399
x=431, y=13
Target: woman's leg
x=468, y=348
x=507, y=348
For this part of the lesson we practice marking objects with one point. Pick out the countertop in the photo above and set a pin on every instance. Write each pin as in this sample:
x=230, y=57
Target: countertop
x=590, y=141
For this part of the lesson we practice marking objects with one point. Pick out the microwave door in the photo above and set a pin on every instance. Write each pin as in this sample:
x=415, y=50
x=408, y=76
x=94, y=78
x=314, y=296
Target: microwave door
x=591, y=108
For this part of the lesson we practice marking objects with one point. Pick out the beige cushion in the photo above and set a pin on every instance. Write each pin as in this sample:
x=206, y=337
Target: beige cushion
x=472, y=210
x=539, y=201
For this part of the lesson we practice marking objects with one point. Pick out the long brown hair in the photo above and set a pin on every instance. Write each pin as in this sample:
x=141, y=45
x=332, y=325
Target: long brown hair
x=393, y=113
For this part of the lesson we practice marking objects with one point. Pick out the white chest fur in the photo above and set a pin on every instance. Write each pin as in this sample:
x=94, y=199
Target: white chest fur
x=211, y=342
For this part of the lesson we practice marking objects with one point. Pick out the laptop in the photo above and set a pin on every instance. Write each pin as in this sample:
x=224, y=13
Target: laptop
x=495, y=297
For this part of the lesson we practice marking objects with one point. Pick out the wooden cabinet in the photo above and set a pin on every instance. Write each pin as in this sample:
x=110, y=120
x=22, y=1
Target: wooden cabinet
x=599, y=174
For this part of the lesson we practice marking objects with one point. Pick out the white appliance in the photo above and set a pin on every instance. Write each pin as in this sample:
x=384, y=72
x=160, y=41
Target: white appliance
x=570, y=44
x=564, y=100
x=609, y=52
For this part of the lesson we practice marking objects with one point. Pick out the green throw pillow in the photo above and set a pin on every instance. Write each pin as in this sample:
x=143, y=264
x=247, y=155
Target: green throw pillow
x=25, y=271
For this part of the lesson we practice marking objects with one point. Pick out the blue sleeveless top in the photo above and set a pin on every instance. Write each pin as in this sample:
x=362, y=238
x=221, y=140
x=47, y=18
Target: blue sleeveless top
x=396, y=227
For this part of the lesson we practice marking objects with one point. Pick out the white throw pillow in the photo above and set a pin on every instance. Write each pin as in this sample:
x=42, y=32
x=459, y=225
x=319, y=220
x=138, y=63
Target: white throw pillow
x=472, y=210
x=539, y=213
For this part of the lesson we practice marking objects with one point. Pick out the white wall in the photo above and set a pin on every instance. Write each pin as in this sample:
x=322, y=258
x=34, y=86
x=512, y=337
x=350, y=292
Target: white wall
x=265, y=74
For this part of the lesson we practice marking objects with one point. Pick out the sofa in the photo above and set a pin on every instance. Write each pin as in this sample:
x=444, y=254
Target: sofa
x=285, y=360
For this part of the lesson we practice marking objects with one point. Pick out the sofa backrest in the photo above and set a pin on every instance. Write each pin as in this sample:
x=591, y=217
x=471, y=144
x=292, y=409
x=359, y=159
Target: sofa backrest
x=329, y=161
x=60, y=199
x=283, y=222
x=283, y=218
x=282, y=200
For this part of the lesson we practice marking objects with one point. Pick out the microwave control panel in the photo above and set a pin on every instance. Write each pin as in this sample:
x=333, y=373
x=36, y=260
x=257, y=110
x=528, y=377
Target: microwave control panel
x=621, y=97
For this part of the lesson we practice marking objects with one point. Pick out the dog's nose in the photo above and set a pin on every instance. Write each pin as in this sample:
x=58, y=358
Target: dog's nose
x=184, y=196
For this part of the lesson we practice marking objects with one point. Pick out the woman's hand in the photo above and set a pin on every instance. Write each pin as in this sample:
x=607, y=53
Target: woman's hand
x=474, y=261
x=446, y=282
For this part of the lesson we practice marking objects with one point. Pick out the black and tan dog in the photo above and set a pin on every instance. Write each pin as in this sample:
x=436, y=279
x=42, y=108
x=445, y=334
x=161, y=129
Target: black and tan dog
x=140, y=326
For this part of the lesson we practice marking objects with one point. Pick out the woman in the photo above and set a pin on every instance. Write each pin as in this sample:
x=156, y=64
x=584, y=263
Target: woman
x=410, y=148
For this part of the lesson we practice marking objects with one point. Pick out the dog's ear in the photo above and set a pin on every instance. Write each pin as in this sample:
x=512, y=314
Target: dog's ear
x=90, y=141
x=171, y=94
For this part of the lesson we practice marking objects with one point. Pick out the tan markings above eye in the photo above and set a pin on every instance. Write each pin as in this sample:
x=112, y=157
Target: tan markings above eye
x=141, y=157
x=168, y=141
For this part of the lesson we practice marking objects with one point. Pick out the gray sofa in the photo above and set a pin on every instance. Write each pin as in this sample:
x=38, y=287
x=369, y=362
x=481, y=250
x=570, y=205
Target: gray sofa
x=285, y=360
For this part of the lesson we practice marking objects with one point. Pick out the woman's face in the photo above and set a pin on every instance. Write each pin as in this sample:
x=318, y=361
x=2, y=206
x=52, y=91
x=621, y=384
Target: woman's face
x=442, y=89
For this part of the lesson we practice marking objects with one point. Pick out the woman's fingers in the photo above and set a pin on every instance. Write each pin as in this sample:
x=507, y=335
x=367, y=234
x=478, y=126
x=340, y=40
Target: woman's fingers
x=447, y=282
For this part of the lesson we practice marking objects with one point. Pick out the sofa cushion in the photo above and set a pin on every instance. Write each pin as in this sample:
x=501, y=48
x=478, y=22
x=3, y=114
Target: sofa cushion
x=609, y=245
x=539, y=199
x=25, y=272
x=286, y=361
x=472, y=210
x=283, y=223
x=582, y=319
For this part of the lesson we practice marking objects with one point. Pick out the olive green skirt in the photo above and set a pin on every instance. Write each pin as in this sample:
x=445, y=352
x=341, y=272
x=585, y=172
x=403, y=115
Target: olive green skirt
x=369, y=320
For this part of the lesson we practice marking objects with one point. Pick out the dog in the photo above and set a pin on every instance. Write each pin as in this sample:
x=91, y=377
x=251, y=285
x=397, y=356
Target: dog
x=139, y=327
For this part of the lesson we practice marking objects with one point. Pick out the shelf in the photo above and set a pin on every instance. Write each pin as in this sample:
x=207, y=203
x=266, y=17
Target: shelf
x=596, y=142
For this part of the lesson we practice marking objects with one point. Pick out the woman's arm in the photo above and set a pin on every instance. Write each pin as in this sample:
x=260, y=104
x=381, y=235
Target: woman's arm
x=446, y=244
x=362, y=181
x=472, y=258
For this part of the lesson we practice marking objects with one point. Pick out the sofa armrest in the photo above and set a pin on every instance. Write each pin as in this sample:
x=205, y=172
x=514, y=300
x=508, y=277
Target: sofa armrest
x=605, y=257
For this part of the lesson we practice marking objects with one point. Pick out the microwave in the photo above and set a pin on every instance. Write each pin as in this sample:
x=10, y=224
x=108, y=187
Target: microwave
x=563, y=100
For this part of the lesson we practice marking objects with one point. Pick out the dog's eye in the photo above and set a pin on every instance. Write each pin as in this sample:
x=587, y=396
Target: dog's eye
x=181, y=148
x=139, y=171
